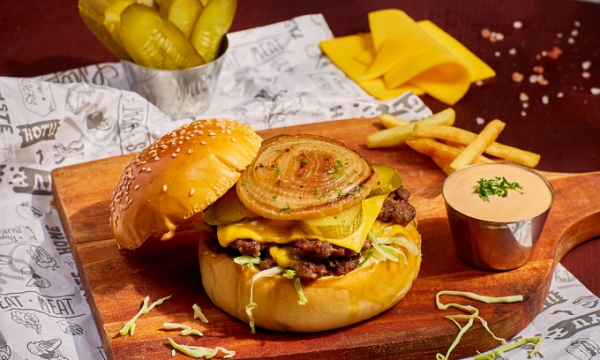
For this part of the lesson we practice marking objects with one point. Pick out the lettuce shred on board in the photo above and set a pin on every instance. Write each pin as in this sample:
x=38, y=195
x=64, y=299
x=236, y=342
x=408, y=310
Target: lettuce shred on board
x=475, y=315
x=130, y=325
x=198, y=352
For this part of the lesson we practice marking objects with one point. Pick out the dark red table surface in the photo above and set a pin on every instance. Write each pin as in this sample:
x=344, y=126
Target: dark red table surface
x=41, y=37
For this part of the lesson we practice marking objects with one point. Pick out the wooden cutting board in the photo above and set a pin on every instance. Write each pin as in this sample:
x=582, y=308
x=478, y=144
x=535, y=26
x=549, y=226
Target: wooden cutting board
x=117, y=281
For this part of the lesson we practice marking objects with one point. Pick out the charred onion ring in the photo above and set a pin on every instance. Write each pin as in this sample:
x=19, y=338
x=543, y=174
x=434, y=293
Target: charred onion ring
x=302, y=177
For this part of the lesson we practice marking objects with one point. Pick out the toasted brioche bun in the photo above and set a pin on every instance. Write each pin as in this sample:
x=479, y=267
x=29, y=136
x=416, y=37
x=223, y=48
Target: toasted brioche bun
x=333, y=301
x=178, y=176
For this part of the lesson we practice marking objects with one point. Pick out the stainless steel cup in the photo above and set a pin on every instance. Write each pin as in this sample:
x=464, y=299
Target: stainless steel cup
x=495, y=245
x=177, y=93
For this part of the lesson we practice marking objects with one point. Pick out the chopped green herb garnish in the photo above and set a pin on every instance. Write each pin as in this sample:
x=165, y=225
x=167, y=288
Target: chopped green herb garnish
x=247, y=184
x=339, y=162
x=498, y=186
x=337, y=176
x=304, y=161
x=286, y=208
x=277, y=170
x=274, y=196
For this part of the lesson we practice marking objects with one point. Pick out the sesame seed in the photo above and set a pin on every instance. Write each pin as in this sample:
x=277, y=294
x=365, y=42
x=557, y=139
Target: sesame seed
x=189, y=151
x=174, y=155
x=233, y=140
x=595, y=91
x=517, y=24
x=571, y=40
x=156, y=158
x=525, y=105
x=586, y=65
x=574, y=33
x=203, y=142
x=559, y=35
x=137, y=186
x=479, y=83
x=164, y=187
x=512, y=51
x=545, y=99
x=497, y=53
x=586, y=75
x=523, y=97
x=178, y=150
x=192, y=191
x=211, y=133
x=479, y=121
x=523, y=113
x=560, y=94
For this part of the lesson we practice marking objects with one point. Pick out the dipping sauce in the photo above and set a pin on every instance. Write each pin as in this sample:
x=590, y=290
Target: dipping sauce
x=534, y=197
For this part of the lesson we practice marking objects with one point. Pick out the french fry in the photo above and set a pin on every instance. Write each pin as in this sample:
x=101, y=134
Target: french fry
x=397, y=135
x=438, y=150
x=485, y=138
x=465, y=137
x=389, y=121
x=443, y=165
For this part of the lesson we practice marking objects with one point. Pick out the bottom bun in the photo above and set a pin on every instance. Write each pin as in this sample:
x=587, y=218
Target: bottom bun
x=333, y=301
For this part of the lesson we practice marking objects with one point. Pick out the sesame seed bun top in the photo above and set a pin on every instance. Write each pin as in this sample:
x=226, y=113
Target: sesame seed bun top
x=178, y=176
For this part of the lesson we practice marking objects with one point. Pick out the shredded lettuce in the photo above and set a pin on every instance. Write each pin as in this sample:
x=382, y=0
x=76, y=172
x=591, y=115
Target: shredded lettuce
x=201, y=352
x=386, y=251
x=474, y=314
x=185, y=330
x=198, y=314
x=538, y=340
x=247, y=260
x=130, y=325
x=405, y=243
x=274, y=271
x=367, y=256
x=293, y=275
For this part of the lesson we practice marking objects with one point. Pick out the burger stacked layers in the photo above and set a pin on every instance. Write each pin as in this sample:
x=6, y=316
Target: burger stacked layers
x=309, y=236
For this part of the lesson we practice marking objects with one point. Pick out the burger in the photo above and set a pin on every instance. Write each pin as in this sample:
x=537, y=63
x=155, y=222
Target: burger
x=307, y=235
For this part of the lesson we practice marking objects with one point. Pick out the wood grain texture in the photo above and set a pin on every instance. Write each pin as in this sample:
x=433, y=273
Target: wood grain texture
x=117, y=281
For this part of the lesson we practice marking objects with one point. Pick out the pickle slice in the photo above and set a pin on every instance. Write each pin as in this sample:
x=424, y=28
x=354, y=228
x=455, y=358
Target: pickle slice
x=228, y=209
x=334, y=227
x=388, y=180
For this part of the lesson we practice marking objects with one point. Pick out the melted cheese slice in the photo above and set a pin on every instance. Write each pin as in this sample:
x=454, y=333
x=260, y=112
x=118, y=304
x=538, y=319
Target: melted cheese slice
x=283, y=232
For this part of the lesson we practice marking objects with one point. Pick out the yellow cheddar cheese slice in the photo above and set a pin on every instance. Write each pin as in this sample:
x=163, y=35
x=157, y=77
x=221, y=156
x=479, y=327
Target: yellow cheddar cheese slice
x=283, y=232
x=478, y=70
x=401, y=54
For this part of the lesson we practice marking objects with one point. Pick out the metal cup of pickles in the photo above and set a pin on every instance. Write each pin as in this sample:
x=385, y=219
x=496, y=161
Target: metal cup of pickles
x=177, y=93
x=496, y=213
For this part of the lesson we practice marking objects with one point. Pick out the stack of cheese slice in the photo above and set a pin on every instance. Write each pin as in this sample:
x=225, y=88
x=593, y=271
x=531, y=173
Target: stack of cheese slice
x=402, y=55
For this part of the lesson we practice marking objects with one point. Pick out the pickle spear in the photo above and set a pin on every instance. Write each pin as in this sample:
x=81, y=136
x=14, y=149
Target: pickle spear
x=154, y=42
x=92, y=14
x=112, y=19
x=213, y=23
x=183, y=13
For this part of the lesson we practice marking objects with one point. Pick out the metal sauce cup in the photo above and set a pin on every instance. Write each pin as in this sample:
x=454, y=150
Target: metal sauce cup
x=178, y=93
x=494, y=245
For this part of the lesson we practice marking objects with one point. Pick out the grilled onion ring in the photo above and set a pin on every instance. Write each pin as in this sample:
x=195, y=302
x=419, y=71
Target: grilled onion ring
x=303, y=177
